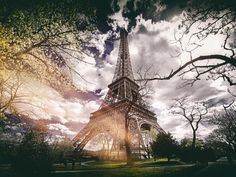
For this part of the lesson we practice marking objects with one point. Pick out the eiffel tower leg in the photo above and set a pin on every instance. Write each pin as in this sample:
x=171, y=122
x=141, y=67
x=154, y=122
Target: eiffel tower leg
x=115, y=150
x=142, y=148
x=139, y=151
x=118, y=152
x=104, y=125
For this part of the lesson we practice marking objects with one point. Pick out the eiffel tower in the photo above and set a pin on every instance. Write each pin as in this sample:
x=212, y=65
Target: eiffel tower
x=109, y=119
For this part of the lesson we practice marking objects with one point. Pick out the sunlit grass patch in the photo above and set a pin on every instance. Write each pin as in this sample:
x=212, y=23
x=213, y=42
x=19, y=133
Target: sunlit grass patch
x=108, y=164
x=130, y=172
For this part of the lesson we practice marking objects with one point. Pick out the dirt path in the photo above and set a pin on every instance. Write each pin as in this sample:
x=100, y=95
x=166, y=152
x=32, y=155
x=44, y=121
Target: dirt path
x=86, y=163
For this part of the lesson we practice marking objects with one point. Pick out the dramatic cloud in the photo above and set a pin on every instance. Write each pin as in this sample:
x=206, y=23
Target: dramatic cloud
x=151, y=45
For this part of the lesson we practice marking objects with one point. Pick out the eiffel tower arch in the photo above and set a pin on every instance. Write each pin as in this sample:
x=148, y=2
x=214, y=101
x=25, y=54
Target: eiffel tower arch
x=109, y=119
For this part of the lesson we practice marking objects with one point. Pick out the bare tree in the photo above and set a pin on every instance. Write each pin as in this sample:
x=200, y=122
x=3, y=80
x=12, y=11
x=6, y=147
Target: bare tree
x=199, y=21
x=12, y=101
x=8, y=93
x=193, y=113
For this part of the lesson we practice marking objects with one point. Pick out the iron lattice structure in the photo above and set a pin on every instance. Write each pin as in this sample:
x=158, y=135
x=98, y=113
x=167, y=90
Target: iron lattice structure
x=109, y=120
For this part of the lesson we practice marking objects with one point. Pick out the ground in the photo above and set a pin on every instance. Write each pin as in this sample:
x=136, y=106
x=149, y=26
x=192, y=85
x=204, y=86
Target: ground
x=147, y=168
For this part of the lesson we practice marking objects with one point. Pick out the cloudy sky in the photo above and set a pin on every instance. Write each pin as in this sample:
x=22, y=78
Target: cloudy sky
x=151, y=45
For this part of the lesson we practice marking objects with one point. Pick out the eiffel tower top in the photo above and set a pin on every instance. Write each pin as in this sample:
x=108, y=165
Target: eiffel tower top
x=123, y=65
x=123, y=86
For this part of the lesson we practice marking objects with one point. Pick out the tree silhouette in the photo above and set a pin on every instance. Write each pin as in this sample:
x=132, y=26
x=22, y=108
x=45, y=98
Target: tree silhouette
x=192, y=113
x=224, y=136
x=164, y=146
x=202, y=19
x=33, y=154
x=45, y=39
x=9, y=87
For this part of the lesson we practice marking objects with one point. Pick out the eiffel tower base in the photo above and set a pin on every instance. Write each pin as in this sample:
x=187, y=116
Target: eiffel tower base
x=106, y=130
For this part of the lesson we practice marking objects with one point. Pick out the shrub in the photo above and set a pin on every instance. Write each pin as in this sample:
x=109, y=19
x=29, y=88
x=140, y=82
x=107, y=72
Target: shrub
x=33, y=156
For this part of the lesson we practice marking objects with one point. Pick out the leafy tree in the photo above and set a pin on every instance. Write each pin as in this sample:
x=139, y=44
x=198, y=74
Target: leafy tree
x=63, y=151
x=202, y=152
x=7, y=152
x=47, y=39
x=44, y=41
x=33, y=155
x=164, y=146
x=37, y=36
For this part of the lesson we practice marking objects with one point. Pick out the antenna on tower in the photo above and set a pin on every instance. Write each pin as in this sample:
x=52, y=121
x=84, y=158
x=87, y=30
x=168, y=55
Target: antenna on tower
x=123, y=65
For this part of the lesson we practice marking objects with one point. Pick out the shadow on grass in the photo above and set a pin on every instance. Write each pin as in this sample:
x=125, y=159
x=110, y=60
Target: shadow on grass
x=148, y=169
x=213, y=170
x=217, y=170
x=135, y=172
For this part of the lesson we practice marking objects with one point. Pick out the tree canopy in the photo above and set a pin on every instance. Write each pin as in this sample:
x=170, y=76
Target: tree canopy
x=164, y=146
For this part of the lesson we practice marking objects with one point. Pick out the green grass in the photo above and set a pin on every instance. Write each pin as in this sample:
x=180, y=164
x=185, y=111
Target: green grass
x=145, y=168
x=193, y=171
x=107, y=164
x=129, y=172
x=114, y=164
x=216, y=170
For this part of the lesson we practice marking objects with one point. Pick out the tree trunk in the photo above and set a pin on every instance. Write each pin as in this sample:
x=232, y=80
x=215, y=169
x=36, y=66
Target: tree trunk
x=127, y=138
x=194, y=146
x=118, y=152
x=194, y=140
x=127, y=143
x=229, y=156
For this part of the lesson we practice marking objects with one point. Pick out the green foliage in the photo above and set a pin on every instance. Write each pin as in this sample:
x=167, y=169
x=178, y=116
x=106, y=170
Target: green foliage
x=201, y=153
x=36, y=37
x=63, y=152
x=164, y=146
x=7, y=152
x=2, y=122
x=33, y=156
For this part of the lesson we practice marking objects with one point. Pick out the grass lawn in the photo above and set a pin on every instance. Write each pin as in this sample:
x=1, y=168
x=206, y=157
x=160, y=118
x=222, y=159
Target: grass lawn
x=132, y=172
x=149, y=168
x=153, y=169
x=146, y=168
x=114, y=164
